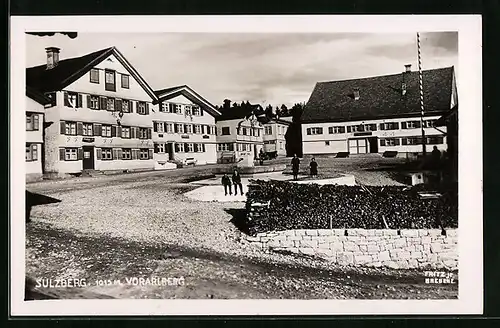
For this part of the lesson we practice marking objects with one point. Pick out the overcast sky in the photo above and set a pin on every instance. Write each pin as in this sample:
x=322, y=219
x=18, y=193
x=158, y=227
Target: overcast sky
x=261, y=68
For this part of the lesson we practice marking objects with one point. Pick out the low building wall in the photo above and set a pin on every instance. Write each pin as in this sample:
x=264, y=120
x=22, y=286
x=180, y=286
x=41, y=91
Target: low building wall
x=398, y=249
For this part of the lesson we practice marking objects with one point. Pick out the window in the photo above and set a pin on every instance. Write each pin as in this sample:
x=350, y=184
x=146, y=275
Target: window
x=160, y=127
x=125, y=81
x=435, y=140
x=178, y=108
x=72, y=99
x=196, y=111
x=106, y=131
x=188, y=128
x=412, y=141
x=356, y=128
x=169, y=128
x=224, y=147
x=389, y=126
x=314, y=131
x=32, y=122
x=164, y=107
x=143, y=133
x=159, y=148
x=429, y=123
x=190, y=148
x=389, y=142
x=281, y=144
x=110, y=81
x=410, y=125
x=107, y=154
x=71, y=128
x=93, y=102
x=268, y=130
x=336, y=129
x=110, y=104
x=187, y=110
x=327, y=143
x=370, y=127
x=201, y=148
x=144, y=153
x=71, y=154
x=179, y=147
x=179, y=128
x=126, y=153
x=125, y=132
x=141, y=108
x=244, y=131
x=31, y=152
x=197, y=129
x=126, y=106
x=88, y=129
x=94, y=75
x=171, y=108
x=225, y=131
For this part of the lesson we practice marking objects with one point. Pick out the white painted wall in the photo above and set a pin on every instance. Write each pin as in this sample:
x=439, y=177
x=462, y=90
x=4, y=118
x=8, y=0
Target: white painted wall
x=235, y=138
x=278, y=131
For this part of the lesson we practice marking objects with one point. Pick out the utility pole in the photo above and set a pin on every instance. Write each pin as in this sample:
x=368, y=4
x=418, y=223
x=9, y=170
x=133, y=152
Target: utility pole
x=421, y=95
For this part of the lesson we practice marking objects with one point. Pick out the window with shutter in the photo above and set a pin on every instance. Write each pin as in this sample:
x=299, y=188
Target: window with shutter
x=382, y=126
x=118, y=105
x=176, y=147
x=396, y=142
x=404, y=141
x=79, y=102
x=80, y=154
x=103, y=103
x=150, y=133
x=88, y=102
x=382, y=142
x=150, y=153
x=63, y=127
x=62, y=154
x=155, y=126
x=79, y=128
x=113, y=131
x=403, y=125
x=203, y=145
x=147, y=108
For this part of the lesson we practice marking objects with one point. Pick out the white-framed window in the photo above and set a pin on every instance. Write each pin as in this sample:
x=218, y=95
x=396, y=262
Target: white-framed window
x=179, y=128
x=70, y=154
x=188, y=128
x=314, y=131
x=94, y=102
x=268, y=130
x=144, y=153
x=179, y=147
x=244, y=131
x=370, y=127
x=169, y=128
x=178, y=108
x=336, y=129
x=70, y=128
x=71, y=100
x=32, y=122
x=125, y=81
x=187, y=110
x=389, y=142
x=160, y=127
x=141, y=108
x=201, y=148
x=106, y=131
x=159, y=148
x=111, y=104
x=429, y=123
x=164, y=107
x=110, y=84
x=190, y=148
x=106, y=154
x=410, y=125
x=224, y=147
x=197, y=129
x=94, y=75
x=126, y=132
x=356, y=128
x=389, y=126
x=126, y=153
x=31, y=152
x=213, y=130
x=412, y=141
x=125, y=106
x=196, y=111
x=143, y=133
x=88, y=129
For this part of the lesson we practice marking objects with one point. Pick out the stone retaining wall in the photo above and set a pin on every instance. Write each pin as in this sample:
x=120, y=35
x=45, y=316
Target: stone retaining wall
x=399, y=249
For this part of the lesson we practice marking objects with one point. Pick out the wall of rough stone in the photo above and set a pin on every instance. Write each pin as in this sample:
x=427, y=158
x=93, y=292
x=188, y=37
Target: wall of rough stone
x=399, y=249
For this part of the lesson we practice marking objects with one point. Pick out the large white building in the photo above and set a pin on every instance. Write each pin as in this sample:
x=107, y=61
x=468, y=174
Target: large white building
x=274, y=136
x=184, y=127
x=378, y=114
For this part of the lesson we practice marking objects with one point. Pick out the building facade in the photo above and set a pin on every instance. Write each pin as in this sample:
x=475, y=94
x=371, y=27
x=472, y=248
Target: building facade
x=34, y=110
x=378, y=114
x=274, y=136
x=239, y=138
x=184, y=128
x=100, y=115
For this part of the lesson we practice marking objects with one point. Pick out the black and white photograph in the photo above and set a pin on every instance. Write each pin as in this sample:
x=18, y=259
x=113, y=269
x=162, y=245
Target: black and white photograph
x=320, y=163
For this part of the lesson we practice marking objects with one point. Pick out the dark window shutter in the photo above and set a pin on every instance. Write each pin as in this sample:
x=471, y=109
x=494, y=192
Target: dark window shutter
x=165, y=124
x=176, y=147
x=79, y=100
x=150, y=151
x=176, y=127
x=103, y=103
x=195, y=148
x=382, y=142
x=115, y=153
x=342, y=129
x=185, y=128
x=119, y=131
x=79, y=128
x=61, y=154
x=97, y=129
x=132, y=133
x=80, y=154
x=133, y=154
x=147, y=108
x=202, y=129
x=99, y=153
x=382, y=126
x=120, y=153
x=113, y=131
x=186, y=148
x=396, y=125
x=348, y=129
x=396, y=142
x=88, y=101
x=155, y=145
x=404, y=141
x=201, y=111
x=155, y=126
x=66, y=100
x=203, y=147
x=63, y=127
x=417, y=124
x=36, y=122
x=150, y=133
x=231, y=147
x=170, y=108
x=118, y=104
x=403, y=125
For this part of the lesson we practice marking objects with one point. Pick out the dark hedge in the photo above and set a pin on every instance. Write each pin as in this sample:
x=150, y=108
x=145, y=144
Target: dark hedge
x=311, y=206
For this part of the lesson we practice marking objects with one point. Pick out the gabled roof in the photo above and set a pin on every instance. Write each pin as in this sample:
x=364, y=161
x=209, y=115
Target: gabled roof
x=37, y=96
x=186, y=91
x=69, y=70
x=380, y=97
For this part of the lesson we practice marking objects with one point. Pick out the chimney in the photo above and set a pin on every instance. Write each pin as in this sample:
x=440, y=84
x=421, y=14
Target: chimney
x=407, y=68
x=356, y=94
x=52, y=57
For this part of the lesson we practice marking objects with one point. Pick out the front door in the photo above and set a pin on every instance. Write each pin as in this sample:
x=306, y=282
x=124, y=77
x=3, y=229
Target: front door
x=88, y=157
x=170, y=151
x=357, y=146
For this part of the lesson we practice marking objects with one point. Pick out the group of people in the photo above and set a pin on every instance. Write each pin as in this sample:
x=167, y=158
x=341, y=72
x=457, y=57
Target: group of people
x=236, y=180
x=313, y=167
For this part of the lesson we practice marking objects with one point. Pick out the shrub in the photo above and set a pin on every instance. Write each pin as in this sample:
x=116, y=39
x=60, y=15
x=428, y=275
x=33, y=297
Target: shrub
x=310, y=206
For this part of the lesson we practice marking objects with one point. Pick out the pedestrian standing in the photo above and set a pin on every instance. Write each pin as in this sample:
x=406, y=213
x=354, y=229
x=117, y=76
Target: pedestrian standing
x=295, y=166
x=313, y=166
x=237, y=182
x=226, y=182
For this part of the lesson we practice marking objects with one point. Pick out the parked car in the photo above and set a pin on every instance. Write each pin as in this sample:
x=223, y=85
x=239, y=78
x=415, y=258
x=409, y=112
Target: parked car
x=190, y=161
